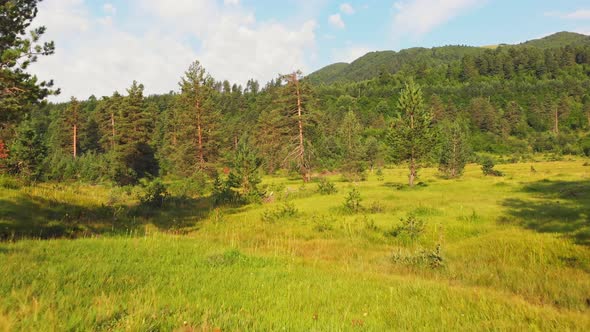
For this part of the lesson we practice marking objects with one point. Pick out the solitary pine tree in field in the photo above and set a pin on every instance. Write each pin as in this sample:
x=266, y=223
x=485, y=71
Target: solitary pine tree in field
x=296, y=97
x=454, y=149
x=412, y=135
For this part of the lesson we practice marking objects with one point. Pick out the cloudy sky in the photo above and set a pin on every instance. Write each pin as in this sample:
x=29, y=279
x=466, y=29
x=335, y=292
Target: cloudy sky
x=102, y=46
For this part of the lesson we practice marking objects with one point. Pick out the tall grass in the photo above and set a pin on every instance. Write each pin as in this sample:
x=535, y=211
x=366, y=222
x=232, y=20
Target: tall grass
x=515, y=256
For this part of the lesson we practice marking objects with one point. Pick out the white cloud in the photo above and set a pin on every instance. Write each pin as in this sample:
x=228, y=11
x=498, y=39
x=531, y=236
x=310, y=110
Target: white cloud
x=231, y=2
x=336, y=20
x=580, y=14
x=583, y=30
x=109, y=8
x=418, y=17
x=347, y=8
x=98, y=55
x=350, y=53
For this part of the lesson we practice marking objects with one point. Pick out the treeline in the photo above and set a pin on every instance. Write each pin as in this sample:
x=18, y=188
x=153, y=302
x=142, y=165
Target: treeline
x=511, y=101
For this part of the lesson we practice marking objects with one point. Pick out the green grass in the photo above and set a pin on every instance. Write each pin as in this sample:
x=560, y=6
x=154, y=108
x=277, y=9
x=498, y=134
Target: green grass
x=515, y=254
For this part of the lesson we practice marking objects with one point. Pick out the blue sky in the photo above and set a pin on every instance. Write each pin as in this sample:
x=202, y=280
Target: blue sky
x=102, y=46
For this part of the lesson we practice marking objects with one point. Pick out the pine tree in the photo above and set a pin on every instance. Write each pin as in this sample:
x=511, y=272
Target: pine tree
x=454, y=149
x=73, y=120
x=350, y=136
x=245, y=171
x=133, y=158
x=412, y=135
x=20, y=48
x=296, y=97
x=28, y=151
x=197, y=120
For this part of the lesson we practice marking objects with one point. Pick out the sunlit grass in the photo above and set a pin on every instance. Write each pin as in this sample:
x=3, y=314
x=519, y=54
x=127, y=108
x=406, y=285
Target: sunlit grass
x=515, y=256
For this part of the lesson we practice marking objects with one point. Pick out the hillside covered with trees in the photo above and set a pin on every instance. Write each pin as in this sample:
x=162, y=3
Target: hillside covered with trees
x=511, y=100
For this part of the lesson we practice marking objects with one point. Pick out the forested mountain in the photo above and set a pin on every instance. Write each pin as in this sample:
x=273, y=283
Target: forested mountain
x=510, y=100
x=373, y=64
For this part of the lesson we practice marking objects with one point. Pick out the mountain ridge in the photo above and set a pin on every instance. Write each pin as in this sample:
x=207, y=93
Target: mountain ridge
x=373, y=63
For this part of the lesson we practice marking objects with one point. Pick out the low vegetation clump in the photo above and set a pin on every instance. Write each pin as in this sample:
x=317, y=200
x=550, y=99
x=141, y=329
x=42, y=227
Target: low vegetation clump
x=325, y=187
x=352, y=201
x=281, y=212
x=412, y=227
x=487, y=167
x=419, y=258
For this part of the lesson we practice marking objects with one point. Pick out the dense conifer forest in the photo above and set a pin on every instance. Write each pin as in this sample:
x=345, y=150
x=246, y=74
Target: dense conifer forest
x=510, y=100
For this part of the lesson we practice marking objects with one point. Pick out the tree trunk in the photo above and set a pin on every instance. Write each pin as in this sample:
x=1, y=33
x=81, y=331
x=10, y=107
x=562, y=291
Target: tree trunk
x=412, y=176
x=75, y=141
x=304, y=171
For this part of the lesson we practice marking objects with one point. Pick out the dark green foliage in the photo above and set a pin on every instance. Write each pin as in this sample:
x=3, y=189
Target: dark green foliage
x=352, y=201
x=28, y=151
x=455, y=149
x=222, y=192
x=487, y=167
x=511, y=100
x=413, y=136
x=155, y=194
x=325, y=187
x=244, y=176
x=20, y=47
x=133, y=158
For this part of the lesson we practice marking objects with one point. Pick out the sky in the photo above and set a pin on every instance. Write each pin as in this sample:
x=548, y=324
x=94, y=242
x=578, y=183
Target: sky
x=103, y=45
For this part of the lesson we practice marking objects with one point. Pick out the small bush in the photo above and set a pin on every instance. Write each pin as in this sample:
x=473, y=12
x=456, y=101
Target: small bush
x=487, y=167
x=325, y=187
x=420, y=258
x=323, y=223
x=380, y=176
x=376, y=207
x=352, y=202
x=191, y=187
x=411, y=227
x=287, y=210
x=155, y=194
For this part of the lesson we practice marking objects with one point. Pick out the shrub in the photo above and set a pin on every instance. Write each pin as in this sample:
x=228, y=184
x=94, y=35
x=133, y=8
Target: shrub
x=420, y=258
x=155, y=194
x=352, y=202
x=376, y=207
x=411, y=227
x=222, y=192
x=379, y=174
x=487, y=167
x=287, y=210
x=323, y=223
x=325, y=187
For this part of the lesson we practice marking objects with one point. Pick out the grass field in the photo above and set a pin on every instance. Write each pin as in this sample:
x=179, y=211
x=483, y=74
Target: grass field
x=515, y=255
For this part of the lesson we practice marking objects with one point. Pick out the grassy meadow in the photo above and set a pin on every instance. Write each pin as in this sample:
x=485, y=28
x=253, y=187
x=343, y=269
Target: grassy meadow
x=493, y=253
